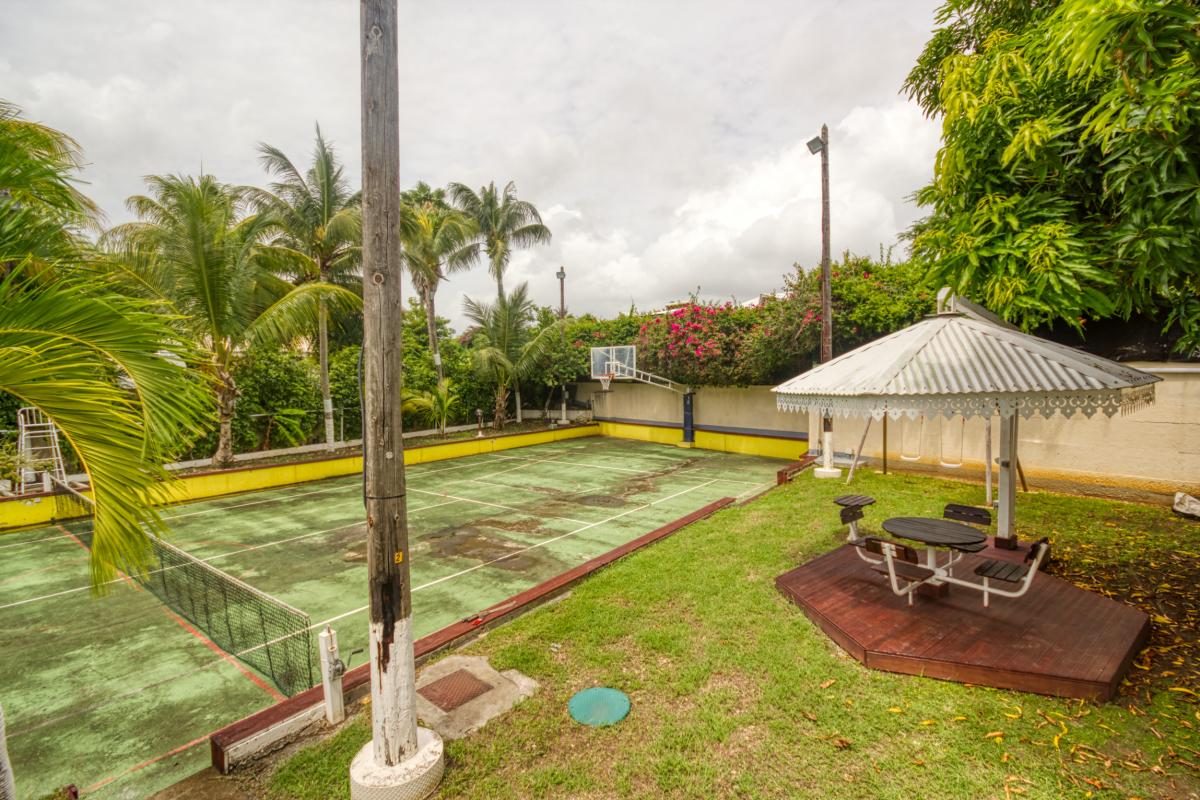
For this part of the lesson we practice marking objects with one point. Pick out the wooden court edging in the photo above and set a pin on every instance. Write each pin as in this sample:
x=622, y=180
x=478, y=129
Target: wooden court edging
x=270, y=728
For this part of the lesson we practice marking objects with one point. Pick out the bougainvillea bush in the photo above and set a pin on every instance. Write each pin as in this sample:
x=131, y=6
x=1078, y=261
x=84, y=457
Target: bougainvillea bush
x=705, y=344
x=727, y=345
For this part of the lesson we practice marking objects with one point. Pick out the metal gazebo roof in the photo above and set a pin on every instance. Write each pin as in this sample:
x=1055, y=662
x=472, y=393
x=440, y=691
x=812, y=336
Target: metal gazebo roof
x=952, y=363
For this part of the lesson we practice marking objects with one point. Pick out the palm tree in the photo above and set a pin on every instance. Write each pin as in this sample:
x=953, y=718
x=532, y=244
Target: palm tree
x=503, y=351
x=437, y=241
x=317, y=235
x=197, y=252
x=104, y=368
x=503, y=221
x=43, y=211
x=437, y=403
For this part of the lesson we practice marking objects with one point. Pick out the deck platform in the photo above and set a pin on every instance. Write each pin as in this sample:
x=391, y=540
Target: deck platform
x=1057, y=640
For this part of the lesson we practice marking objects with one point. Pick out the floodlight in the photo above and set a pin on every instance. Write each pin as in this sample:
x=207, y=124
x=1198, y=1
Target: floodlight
x=816, y=145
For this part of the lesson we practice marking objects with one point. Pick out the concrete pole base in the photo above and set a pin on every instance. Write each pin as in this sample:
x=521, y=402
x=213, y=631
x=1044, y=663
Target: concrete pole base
x=827, y=472
x=412, y=779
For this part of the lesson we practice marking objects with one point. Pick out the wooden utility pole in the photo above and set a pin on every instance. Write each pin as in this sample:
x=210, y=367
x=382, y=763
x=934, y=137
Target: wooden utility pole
x=826, y=292
x=393, y=691
x=821, y=145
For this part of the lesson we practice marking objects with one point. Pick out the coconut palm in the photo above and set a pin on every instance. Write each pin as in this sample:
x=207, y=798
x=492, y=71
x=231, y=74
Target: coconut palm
x=104, y=368
x=198, y=252
x=437, y=404
x=502, y=348
x=42, y=210
x=504, y=222
x=317, y=235
x=438, y=241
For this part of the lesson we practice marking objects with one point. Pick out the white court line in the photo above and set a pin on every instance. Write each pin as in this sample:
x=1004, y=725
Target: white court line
x=263, y=546
x=493, y=505
x=357, y=484
x=326, y=490
x=219, y=661
x=523, y=550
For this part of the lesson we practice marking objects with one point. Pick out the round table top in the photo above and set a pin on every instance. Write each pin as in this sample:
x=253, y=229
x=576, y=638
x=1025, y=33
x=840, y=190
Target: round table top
x=933, y=531
x=852, y=500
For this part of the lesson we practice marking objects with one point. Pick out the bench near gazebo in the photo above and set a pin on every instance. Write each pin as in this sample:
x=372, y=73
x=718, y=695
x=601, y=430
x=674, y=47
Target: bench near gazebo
x=971, y=608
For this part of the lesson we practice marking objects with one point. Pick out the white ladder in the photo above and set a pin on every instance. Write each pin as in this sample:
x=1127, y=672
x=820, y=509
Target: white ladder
x=41, y=457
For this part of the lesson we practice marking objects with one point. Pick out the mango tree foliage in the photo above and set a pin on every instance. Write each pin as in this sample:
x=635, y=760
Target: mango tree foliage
x=1066, y=187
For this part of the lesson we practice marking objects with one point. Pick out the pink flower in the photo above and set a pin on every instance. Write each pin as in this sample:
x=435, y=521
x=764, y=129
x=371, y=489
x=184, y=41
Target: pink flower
x=679, y=312
x=699, y=352
x=674, y=327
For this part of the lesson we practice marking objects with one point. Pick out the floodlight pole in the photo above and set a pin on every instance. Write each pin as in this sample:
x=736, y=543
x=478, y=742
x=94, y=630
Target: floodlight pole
x=399, y=757
x=821, y=145
x=562, y=314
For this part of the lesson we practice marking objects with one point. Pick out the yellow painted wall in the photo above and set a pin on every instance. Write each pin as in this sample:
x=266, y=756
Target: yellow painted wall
x=39, y=510
x=791, y=449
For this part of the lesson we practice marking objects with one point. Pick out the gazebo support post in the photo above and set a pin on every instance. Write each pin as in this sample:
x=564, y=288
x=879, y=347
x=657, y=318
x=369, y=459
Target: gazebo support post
x=1005, y=535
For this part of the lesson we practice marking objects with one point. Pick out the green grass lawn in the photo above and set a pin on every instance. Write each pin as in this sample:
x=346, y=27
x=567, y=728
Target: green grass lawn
x=736, y=694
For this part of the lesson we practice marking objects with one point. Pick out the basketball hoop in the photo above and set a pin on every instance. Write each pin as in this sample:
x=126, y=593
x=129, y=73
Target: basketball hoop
x=605, y=381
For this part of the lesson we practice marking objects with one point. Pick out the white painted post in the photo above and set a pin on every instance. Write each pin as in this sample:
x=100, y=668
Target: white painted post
x=1008, y=476
x=331, y=677
x=987, y=458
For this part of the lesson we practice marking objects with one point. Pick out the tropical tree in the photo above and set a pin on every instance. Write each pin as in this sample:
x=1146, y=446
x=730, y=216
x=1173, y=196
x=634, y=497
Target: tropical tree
x=436, y=404
x=438, y=240
x=503, y=349
x=317, y=235
x=197, y=252
x=503, y=222
x=42, y=211
x=1067, y=186
x=108, y=370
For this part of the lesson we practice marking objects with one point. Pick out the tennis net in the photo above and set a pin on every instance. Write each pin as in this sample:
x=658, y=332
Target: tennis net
x=249, y=624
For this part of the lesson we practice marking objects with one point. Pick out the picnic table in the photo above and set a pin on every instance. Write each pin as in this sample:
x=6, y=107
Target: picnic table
x=936, y=533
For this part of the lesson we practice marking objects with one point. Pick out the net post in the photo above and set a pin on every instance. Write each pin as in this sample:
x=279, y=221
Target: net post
x=332, y=670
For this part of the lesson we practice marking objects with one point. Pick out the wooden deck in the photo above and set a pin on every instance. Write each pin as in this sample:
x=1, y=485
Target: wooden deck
x=1058, y=639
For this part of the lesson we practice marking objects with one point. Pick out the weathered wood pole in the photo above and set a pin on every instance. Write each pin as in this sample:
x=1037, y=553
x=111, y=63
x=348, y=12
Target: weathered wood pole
x=393, y=692
x=826, y=470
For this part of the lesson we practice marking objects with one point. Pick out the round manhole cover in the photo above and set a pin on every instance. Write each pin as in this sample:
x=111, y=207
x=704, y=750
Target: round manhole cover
x=599, y=706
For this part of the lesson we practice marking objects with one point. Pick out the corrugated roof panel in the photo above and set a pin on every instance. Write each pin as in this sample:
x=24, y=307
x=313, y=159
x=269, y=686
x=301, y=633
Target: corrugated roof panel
x=952, y=354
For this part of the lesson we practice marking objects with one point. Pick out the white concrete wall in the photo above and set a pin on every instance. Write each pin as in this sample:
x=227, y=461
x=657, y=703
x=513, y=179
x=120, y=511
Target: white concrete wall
x=1155, y=449
x=750, y=408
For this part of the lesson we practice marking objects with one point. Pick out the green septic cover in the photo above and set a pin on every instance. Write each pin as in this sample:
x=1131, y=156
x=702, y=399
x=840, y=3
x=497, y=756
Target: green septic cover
x=599, y=706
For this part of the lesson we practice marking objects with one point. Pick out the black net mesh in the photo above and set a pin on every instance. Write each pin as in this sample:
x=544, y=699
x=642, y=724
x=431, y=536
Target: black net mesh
x=249, y=624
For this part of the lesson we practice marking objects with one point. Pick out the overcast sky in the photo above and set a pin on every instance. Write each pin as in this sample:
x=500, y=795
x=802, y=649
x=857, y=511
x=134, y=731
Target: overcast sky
x=663, y=140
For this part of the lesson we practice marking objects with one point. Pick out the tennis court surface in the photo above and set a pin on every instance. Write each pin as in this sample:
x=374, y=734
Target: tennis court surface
x=118, y=694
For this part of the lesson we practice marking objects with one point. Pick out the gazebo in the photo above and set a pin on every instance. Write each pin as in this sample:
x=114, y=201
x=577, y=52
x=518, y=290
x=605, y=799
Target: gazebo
x=965, y=361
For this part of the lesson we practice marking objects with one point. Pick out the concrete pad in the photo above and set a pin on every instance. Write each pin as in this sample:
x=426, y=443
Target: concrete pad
x=507, y=689
x=415, y=778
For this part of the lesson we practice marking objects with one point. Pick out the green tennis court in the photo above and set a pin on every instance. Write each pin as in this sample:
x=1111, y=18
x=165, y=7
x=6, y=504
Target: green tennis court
x=118, y=694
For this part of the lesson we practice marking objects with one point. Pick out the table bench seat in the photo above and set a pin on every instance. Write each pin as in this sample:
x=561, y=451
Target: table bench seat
x=905, y=571
x=1006, y=571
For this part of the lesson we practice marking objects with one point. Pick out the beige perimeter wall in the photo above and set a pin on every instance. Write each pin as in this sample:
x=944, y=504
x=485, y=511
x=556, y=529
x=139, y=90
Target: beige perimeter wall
x=1156, y=449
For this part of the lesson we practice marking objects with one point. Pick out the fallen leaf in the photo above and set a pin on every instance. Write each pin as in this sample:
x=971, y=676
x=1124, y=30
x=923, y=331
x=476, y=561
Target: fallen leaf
x=828, y=683
x=994, y=735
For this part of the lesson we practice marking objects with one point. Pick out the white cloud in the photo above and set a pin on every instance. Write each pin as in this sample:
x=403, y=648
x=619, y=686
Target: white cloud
x=664, y=141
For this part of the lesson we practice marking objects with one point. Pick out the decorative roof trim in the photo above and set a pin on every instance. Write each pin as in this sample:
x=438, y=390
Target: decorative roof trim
x=1107, y=401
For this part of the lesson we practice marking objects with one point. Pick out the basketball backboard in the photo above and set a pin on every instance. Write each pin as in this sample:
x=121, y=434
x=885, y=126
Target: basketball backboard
x=618, y=361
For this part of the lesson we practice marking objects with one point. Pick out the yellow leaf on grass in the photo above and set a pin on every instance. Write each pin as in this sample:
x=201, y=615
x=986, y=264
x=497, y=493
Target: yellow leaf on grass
x=1016, y=715
x=828, y=683
x=929, y=722
x=1184, y=691
x=994, y=735
x=896, y=710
